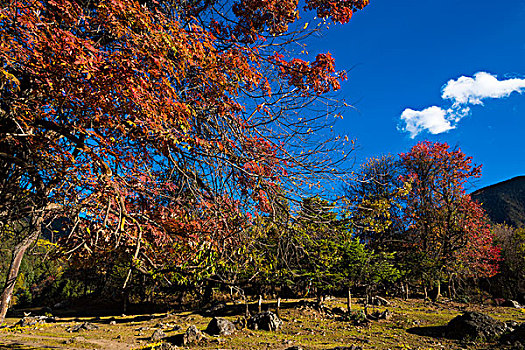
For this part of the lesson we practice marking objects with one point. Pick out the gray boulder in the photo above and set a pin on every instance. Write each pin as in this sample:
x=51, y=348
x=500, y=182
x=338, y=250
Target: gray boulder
x=474, y=325
x=34, y=320
x=220, y=326
x=157, y=335
x=192, y=336
x=267, y=321
x=86, y=326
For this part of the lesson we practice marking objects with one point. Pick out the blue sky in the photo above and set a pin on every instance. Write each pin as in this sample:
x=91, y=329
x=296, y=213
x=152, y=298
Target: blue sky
x=402, y=54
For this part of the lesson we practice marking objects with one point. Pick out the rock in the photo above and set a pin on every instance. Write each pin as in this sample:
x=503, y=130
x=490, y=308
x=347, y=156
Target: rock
x=83, y=326
x=512, y=303
x=474, y=325
x=166, y=346
x=192, y=335
x=220, y=326
x=265, y=320
x=34, y=320
x=516, y=337
x=157, y=335
x=385, y=315
x=112, y=322
x=295, y=347
x=170, y=326
x=378, y=301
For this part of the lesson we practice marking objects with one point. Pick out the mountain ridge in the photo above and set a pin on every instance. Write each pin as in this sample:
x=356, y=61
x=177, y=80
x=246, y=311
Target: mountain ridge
x=504, y=201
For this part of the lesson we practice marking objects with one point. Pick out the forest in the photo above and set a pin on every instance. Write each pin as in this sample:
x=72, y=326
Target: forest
x=169, y=154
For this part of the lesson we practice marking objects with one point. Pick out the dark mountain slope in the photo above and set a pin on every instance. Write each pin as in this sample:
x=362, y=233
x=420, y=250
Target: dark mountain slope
x=504, y=201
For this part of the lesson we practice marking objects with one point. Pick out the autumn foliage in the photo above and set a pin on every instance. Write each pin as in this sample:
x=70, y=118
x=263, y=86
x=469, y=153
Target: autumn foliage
x=158, y=129
x=451, y=232
x=174, y=140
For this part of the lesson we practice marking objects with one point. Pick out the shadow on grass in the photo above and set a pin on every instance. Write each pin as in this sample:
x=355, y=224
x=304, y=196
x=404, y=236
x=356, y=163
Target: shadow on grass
x=222, y=309
x=432, y=331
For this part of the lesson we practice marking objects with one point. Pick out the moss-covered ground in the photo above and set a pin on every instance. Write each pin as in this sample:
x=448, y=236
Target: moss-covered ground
x=303, y=325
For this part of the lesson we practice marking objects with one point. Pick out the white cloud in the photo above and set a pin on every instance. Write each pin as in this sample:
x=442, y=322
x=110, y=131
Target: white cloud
x=434, y=119
x=472, y=90
x=462, y=92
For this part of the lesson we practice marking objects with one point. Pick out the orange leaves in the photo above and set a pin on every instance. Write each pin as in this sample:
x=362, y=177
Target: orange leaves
x=318, y=76
x=339, y=11
x=257, y=16
x=137, y=112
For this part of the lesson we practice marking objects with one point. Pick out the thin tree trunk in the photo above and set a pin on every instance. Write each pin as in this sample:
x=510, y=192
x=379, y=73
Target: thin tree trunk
x=18, y=254
x=260, y=303
x=247, y=307
x=349, y=300
x=406, y=291
x=278, y=306
x=438, y=293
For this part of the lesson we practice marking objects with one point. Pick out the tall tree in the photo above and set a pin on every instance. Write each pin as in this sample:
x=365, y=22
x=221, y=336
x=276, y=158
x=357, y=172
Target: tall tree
x=374, y=201
x=154, y=125
x=447, y=232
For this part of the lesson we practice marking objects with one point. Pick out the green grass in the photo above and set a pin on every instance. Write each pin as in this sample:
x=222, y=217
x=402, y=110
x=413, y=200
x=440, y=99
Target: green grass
x=302, y=326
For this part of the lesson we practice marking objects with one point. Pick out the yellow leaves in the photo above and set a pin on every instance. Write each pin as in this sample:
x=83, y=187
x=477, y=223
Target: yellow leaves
x=45, y=243
x=11, y=78
x=405, y=190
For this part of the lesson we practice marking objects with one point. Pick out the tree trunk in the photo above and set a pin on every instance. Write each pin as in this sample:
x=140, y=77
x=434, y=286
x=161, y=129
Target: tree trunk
x=260, y=303
x=349, y=300
x=426, y=292
x=438, y=293
x=18, y=254
x=320, y=301
x=246, y=308
x=278, y=306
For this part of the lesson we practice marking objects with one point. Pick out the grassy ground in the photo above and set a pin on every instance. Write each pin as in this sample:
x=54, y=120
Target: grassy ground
x=303, y=326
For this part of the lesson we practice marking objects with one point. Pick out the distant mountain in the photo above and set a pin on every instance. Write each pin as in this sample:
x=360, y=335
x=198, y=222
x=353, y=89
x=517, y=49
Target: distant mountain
x=504, y=202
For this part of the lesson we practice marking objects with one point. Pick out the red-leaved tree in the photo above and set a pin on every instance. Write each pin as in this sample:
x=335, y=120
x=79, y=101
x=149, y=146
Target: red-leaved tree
x=448, y=235
x=156, y=128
